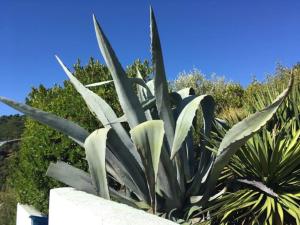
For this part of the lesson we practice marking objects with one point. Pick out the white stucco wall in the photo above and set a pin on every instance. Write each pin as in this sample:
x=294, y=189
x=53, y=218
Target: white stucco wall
x=23, y=213
x=69, y=206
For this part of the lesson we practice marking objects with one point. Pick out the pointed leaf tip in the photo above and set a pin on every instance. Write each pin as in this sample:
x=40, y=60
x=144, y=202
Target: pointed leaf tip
x=94, y=19
x=151, y=10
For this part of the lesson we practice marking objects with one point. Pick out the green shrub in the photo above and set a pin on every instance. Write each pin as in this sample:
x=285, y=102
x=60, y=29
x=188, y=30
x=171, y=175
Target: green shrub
x=8, y=205
x=226, y=94
x=265, y=187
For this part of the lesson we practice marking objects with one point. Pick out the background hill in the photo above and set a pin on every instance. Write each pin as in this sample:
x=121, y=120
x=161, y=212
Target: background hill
x=11, y=127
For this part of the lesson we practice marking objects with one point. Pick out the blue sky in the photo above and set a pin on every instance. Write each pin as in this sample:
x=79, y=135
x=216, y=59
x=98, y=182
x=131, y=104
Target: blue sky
x=234, y=38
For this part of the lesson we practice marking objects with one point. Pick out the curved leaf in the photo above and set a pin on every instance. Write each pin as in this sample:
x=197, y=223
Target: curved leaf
x=71, y=176
x=82, y=181
x=148, y=138
x=65, y=126
x=129, y=170
x=163, y=102
x=185, y=120
x=186, y=92
x=95, y=148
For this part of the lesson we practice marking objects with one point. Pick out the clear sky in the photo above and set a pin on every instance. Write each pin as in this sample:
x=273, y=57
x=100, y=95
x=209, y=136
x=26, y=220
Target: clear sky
x=234, y=38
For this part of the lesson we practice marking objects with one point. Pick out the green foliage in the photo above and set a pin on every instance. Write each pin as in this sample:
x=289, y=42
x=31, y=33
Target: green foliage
x=226, y=94
x=269, y=159
x=157, y=168
x=8, y=205
x=11, y=128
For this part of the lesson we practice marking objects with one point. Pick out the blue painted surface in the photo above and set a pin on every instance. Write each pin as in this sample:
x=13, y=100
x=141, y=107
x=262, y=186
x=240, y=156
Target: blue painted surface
x=39, y=220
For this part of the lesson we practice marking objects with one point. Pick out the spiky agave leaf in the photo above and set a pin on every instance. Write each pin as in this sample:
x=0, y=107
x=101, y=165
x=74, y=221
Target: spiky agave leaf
x=163, y=103
x=100, y=109
x=128, y=99
x=71, y=176
x=185, y=119
x=65, y=126
x=148, y=138
x=95, y=148
x=130, y=172
x=120, y=145
x=82, y=181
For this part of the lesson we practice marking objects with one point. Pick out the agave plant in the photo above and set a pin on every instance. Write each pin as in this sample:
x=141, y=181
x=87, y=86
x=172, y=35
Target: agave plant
x=155, y=161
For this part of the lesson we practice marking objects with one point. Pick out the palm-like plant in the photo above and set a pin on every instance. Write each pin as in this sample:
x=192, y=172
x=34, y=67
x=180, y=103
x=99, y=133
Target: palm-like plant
x=266, y=173
x=155, y=162
x=265, y=186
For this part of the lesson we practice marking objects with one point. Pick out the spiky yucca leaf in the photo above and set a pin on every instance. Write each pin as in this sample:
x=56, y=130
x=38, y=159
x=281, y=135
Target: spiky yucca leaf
x=238, y=136
x=271, y=159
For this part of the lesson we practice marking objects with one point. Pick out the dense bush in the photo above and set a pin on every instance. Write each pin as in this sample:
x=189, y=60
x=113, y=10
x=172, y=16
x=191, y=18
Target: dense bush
x=46, y=145
x=226, y=94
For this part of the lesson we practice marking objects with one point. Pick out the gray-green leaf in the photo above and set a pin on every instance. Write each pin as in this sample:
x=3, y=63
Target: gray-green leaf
x=148, y=138
x=65, y=126
x=95, y=148
x=185, y=120
x=128, y=99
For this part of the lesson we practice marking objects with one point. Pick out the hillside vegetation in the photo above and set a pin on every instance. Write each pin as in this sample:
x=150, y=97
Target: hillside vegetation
x=11, y=127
